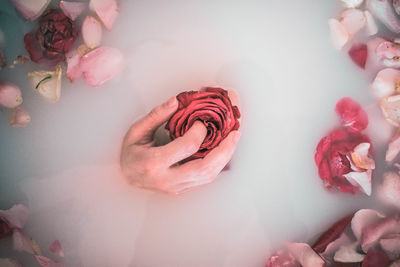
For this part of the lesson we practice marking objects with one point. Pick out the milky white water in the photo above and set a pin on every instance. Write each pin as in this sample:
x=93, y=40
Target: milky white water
x=276, y=54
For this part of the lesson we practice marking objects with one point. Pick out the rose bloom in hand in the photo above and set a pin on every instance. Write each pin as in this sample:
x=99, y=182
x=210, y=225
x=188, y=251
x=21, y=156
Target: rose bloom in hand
x=160, y=168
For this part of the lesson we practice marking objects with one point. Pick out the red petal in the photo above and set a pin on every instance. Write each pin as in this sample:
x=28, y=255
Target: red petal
x=375, y=258
x=358, y=53
x=353, y=117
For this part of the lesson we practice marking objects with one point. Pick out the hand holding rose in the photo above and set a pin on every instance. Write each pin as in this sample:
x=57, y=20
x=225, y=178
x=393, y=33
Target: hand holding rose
x=156, y=168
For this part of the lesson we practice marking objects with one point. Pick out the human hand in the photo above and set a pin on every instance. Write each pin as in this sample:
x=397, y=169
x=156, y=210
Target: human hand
x=155, y=168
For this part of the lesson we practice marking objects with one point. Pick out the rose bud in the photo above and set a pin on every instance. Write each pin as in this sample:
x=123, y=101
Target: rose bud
x=10, y=95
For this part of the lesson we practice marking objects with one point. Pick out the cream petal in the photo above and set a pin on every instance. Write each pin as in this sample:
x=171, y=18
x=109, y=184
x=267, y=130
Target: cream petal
x=339, y=34
x=10, y=95
x=91, y=32
x=383, y=11
x=371, y=27
x=361, y=180
x=305, y=255
x=348, y=253
x=390, y=107
x=388, y=191
x=386, y=82
x=360, y=157
x=96, y=71
x=362, y=219
x=107, y=10
x=353, y=20
x=19, y=117
x=16, y=216
x=30, y=10
x=47, y=83
x=352, y=3
x=72, y=9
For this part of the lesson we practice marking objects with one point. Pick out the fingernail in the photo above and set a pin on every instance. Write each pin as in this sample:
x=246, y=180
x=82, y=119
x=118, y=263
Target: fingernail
x=172, y=102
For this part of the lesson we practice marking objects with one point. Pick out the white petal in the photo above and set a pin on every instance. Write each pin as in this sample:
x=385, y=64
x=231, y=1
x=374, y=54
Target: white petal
x=107, y=10
x=386, y=82
x=352, y=3
x=389, y=190
x=362, y=219
x=91, y=32
x=305, y=255
x=19, y=117
x=360, y=157
x=371, y=27
x=101, y=64
x=348, y=253
x=10, y=95
x=72, y=9
x=362, y=180
x=32, y=9
x=353, y=20
x=48, y=83
x=339, y=34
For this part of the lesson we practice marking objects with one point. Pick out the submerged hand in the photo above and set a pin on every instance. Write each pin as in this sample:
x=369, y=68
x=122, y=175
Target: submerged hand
x=155, y=168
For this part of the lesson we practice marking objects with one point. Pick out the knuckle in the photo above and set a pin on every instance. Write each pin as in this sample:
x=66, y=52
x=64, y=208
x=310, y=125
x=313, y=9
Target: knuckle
x=155, y=113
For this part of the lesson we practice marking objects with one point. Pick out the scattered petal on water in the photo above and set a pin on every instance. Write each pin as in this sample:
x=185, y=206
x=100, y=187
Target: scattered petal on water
x=359, y=53
x=107, y=10
x=305, y=255
x=21, y=242
x=388, y=54
x=352, y=116
x=360, y=157
x=371, y=27
x=362, y=219
x=348, y=253
x=48, y=83
x=361, y=180
x=91, y=32
x=353, y=20
x=10, y=95
x=72, y=9
x=393, y=148
x=390, y=107
x=32, y=9
x=339, y=34
x=73, y=71
x=19, y=117
x=16, y=216
x=352, y=3
x=388, y=191
x=390, y=244
x=46, y=262
x=383, y=11
x=386, y=83
x=56, y=248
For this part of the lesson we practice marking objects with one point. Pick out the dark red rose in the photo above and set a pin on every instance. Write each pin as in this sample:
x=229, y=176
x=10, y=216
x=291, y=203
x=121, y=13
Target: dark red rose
x=5, y=229
x=52, y=40
x=334, y=160
x=211, y=106
x=375, y=257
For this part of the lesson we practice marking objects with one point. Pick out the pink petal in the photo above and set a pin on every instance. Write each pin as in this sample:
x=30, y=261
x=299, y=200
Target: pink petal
x=393, y=148
x=390, y=107
x=388, y=54
x=386, y=82
x=358, y=53
x=375, y=258
x=352, y=116
x=282, y=258
x=332, y=247
x=10, y=95
x=72, y=9
x=361, y=180
x=30, y=10
x=371, y=27
x=362, y=219
x=352, y=3
x=101, y=65
x=46, y=262
x=360, y=157
x=353, y=20
x=8, y=262
x=384, y=12
x=16, y=216
x=73, y=71
x=305, y=255
x=56, y=248
x=391, y=246
x=339, y=34
x=91, y=32
x=21, y=242
x=372, y=233
x=389, y=190
x=107, y=10
x=348, y=253
x=19, y=117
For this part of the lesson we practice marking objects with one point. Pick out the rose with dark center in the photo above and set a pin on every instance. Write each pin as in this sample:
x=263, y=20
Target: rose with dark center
x=52, y=40
x=213, y=107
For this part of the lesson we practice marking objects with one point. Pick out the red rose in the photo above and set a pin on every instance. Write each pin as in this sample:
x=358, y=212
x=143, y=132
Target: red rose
x=52, y=40
x=211, y=106
x=336, y=159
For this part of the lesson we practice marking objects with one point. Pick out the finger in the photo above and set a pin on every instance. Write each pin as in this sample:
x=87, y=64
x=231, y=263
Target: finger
x=141, y=132
x=184, y=146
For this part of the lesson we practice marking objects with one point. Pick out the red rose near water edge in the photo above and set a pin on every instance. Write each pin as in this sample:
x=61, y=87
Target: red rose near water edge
x=52, y=40
x=211, y=106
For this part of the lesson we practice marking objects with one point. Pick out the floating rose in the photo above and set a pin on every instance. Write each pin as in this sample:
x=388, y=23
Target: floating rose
x=214, y=108
x=52, y=40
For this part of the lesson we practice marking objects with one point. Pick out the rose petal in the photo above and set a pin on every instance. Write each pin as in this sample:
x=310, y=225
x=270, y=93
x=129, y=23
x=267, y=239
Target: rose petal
x=372, y=233
x=10, y=263
x=332, y=247
x=72, y=9
x=30, y=10
x=393, y=148
x=282, y=258
x=56, y=248
x=360, y=157
x=371, y=27
x=388, y=54
x=107, y=10
x=46, y=262
x=352, y=3
x=101, y=65
x=21, y=242
x=353, y=20
x=384, y=12
x=348, y=253
x=389, y=190
x=358, y=53
x=375, y=258
x=48, y=83
x=362, y=219
x=305, y=255
x=16, y=216
x=361, y=180
x=391, y=246
x=73, y=71
x=339, y=34
x=91, y=32
x=19, y=117
x=386, y=82
x=390, y=107
x=10, y=95
x=352, y=116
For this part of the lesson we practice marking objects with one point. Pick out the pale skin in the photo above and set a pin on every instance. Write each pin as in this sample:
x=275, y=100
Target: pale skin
x=155, y=168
